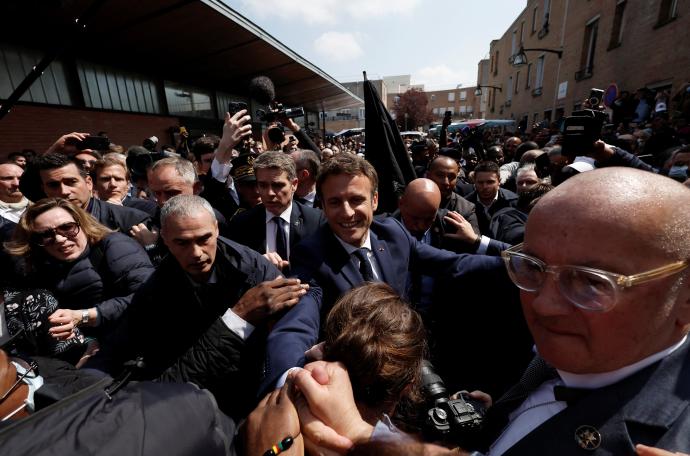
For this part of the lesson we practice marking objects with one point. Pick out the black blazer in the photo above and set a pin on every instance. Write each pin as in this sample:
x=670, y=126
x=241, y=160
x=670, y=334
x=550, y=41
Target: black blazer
x=117, y=218
x=249, y=227
x=650, y=407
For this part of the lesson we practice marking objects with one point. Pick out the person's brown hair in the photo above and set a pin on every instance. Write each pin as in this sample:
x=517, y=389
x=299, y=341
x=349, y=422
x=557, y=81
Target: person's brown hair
x=381, y=341
x=21, y=244
x=350, y=164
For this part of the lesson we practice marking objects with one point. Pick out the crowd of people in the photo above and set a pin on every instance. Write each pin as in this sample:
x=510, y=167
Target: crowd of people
x=252, y=283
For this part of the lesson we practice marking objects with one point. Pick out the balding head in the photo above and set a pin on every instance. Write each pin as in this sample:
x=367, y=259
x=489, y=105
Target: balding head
x=626, y=222
x=9, y=183
x=644, y=207
x=419, y=204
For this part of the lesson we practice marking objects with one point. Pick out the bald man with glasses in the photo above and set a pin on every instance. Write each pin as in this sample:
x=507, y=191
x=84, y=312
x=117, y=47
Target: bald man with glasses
x=603, y=277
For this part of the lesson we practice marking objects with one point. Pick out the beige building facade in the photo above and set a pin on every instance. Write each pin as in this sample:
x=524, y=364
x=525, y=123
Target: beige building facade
x=629, y=43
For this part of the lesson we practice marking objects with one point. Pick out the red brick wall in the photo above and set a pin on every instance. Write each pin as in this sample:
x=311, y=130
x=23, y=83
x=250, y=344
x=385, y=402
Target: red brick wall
x=37, y=127
x=648, y=54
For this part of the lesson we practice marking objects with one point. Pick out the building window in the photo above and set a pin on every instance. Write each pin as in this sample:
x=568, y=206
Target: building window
x=589, y=47
x=463, y=95
x=522, y=32
x=509, y=93
x=513, y=43
x=433, y=97
x=617, y=30
x=528, y=76
x=51, y=87
x=108, y=88
x=667, y=11
x=534, y=19
x=545, y=19
x=451, y=96
x=396, y=99
x=496, y=64
x=470, y=109
x=517, y=82
x=539, y=76
x=435, y=111
x=463, y=109
x=188, y=101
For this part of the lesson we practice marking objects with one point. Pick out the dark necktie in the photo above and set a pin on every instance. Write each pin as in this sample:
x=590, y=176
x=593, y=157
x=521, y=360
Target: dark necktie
x=281, y=241
x=536, y=373
x=364, y=265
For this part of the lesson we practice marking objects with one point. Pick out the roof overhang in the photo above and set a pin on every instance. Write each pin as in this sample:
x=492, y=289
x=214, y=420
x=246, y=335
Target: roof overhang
x=199, y=42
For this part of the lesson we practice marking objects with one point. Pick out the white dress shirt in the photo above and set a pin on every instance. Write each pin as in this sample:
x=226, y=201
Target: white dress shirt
x=541, y=404
x=272, y=229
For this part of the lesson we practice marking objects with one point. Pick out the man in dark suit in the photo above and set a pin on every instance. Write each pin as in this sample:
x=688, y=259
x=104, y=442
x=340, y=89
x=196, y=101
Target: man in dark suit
x=354, y=248
x=444, y=172
x=617, y=340
x=61, y=177
x=274, y=227
x=307, y=163
x=488, y=197
x=202, y=316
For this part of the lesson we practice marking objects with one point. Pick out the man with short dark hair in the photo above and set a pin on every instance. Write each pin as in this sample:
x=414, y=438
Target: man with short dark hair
x=444, y=172
x=61, y=177
x=307, y=164
x=488, y=196
x=274, y=227
x=354, y=248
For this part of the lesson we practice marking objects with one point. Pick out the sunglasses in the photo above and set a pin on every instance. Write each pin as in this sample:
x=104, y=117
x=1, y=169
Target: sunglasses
x=47, y=237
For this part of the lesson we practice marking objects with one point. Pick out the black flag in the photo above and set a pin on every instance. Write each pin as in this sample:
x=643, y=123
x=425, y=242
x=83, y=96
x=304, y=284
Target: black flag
x=385, y=150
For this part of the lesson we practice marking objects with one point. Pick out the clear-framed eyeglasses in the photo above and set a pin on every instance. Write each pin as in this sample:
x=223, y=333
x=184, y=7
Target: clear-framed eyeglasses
x=587, y=288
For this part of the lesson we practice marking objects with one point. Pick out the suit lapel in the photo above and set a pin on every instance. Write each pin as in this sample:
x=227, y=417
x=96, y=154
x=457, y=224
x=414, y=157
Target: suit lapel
x=384, y=261
x=639, y=409
x=339, y=261
x=296, y=225
x=260, y=235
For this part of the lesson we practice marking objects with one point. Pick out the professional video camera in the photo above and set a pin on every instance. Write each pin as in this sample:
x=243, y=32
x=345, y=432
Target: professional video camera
x=583, y=128
x=456, y=420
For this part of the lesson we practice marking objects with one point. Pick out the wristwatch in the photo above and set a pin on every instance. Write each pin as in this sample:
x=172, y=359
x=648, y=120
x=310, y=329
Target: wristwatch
x=84, y=316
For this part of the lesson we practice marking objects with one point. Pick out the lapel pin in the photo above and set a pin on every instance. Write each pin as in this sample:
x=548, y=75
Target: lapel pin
x=588, y=437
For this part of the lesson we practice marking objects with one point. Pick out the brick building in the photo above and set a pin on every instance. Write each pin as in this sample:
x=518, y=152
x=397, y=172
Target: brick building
x=632, y=43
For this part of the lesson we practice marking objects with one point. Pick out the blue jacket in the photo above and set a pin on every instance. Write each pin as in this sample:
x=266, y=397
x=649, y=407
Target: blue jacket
x=322, y=260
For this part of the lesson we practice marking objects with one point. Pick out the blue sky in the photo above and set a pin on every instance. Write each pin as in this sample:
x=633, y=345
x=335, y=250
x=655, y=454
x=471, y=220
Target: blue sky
x=438, y=42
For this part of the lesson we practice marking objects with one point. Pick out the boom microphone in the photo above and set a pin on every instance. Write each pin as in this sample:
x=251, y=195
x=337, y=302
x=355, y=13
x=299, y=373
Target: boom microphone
x=261, y=89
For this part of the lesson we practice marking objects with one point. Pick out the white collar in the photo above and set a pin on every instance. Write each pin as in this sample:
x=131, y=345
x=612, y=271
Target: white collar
x=591, y=381
x=350, y=249
x=285, y=215
x=311, y=196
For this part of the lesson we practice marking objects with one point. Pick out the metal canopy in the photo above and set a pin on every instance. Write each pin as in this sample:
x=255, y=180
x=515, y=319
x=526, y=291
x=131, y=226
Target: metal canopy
x=198, y=42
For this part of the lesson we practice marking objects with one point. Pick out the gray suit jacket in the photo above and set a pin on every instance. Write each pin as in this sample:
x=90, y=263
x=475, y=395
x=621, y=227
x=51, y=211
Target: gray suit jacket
x=650, y=407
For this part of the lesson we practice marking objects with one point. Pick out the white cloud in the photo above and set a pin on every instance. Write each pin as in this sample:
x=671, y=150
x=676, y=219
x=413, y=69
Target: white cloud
x=329, y=12
x=338, y=47
x=440, y=77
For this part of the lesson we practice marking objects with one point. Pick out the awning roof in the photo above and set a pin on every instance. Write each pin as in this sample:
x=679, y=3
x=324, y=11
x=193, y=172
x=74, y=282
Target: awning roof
x=198, y=42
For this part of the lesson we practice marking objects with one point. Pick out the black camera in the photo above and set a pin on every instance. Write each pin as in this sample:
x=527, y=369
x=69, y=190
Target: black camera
x=277, y=112
x=236, y=106
x=457, y=420
x=581, y=131
x=595, y=98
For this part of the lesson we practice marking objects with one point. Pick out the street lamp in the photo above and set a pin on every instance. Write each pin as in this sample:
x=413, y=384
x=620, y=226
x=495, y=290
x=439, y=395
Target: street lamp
x=478, y=91
x=520, y=58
